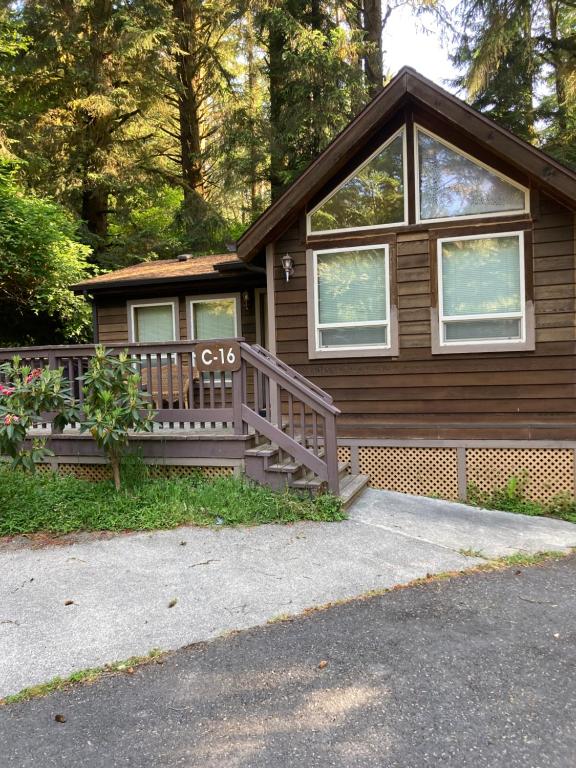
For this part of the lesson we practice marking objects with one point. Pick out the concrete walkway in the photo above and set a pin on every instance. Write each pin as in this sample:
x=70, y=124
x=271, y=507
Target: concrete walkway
x=122, y=588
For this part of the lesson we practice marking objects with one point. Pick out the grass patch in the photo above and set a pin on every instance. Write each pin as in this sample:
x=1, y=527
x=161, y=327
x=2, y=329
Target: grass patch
x=470, y=552
x=47, y=502
x=512, y=498
x=85, y=676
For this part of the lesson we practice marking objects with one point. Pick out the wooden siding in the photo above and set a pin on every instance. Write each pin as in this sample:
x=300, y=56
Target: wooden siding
x=505, y=395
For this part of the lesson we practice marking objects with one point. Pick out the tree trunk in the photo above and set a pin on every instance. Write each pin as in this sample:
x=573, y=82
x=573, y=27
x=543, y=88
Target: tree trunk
x=558, y=65
x=373, y=59
x=97, y=136
x=317, y=24
x=189, y=103
x=252, y=149
x=95, y=212
x=115, y=464
x=276, y=44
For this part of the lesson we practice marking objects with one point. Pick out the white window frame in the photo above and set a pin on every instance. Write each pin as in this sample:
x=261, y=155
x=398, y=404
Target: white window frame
x=191, y=300
x=491, y=343
x=132, y=306
x=314, y=326
x=381, y=148
x=464, y=217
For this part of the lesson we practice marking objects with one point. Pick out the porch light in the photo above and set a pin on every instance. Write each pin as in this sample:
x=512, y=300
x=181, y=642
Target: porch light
x=246, y=300
x=288, y=266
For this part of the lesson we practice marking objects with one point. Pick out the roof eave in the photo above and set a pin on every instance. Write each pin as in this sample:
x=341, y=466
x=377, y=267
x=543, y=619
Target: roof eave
x=79, y=288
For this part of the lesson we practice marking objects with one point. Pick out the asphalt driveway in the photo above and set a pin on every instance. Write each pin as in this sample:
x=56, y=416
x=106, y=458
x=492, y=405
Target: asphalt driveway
x=476, y=672
x=65, y=608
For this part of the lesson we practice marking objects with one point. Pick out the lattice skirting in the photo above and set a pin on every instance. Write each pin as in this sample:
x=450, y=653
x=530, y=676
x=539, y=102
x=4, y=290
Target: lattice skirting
x=546, y=472
x=97, y=471
x=446, y=471
x=423, y=471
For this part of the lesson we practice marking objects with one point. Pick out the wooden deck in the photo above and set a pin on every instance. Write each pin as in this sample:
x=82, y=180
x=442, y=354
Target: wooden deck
x=252, y=411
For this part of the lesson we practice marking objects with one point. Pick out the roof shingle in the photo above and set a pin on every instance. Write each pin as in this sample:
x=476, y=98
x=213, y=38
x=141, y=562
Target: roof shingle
x=160, y=270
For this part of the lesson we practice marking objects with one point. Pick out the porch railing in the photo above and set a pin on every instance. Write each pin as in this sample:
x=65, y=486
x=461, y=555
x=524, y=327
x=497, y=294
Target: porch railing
x=263, y=395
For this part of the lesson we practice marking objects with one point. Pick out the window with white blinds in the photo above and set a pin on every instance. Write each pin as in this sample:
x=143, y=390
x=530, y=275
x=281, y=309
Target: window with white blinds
x=352, y=298
x=153, y=322
x=481, y=289
x=215, y=318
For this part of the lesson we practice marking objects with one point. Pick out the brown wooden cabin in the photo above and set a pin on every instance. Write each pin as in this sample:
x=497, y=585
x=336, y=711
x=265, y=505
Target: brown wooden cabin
x=422, y=271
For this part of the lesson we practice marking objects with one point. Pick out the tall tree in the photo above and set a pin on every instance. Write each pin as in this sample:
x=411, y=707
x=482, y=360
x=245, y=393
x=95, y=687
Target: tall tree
x=314, y=84
x=81, y=90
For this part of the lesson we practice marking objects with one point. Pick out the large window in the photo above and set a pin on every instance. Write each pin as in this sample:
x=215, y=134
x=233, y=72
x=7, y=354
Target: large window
x=215, y=317
x=351, y=301
x=450, y=184
x=481, y=290
x=373, y=196
x=152, y=321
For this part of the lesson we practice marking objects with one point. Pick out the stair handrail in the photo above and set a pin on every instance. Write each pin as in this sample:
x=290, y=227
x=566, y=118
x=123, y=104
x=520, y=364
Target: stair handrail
x=282, y=375
x=298, y=382
x=292, y=372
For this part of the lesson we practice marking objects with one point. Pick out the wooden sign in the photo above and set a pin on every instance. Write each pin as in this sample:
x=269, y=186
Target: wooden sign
x=217, y=356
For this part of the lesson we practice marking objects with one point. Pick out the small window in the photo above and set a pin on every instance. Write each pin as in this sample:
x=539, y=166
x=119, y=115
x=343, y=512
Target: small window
x=481, y=290
x=152, y=322
x=214, y=318
x=351, y=300
x=372, y=197
x=451, y=184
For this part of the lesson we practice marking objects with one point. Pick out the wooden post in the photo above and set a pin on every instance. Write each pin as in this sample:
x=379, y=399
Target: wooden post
x=331, y=457
x=240, y=428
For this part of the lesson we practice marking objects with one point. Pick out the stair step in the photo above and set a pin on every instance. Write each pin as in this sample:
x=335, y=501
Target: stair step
x=289, y=467
x=308, y=483
x=343, y=467
x=351, y=487
x=265, y=450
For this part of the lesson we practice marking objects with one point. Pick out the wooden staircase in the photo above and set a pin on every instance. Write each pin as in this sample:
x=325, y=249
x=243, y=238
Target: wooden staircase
x=269, y=465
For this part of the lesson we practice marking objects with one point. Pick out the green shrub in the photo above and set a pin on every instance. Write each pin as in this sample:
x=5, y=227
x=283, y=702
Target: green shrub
x=512, y=497
x=563, y=506
x=62, y=504
x=114, y=405
x=25, y=394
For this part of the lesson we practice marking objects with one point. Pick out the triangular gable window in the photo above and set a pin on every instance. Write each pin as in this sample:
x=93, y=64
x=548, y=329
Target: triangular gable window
x=451, y=184
x=374, y=196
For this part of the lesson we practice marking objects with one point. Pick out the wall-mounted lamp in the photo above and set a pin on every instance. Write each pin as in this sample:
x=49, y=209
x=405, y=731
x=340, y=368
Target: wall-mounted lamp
x=246, y=300
x=288, y=266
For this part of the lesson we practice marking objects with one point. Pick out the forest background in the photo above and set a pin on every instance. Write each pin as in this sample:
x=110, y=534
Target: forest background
x=140, y=129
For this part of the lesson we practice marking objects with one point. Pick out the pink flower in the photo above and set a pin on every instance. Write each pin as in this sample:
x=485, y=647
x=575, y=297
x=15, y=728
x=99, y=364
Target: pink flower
x=11, y=418
x=6, y=390
x=33, y=375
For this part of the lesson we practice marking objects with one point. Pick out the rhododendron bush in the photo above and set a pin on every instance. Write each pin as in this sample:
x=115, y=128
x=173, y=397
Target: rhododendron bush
x=25, y=394
x=113, y=406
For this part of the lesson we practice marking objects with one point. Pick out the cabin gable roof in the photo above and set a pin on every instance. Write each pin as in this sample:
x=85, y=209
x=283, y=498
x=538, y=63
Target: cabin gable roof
x=407, y=87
